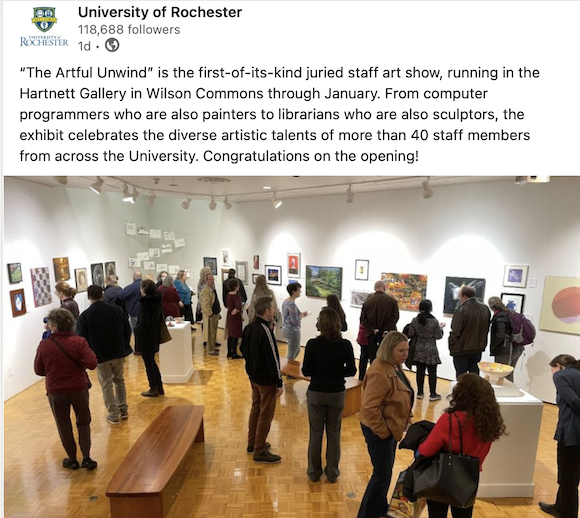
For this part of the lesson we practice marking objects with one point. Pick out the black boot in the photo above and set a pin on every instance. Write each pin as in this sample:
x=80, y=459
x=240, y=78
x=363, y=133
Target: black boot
x=152, y=392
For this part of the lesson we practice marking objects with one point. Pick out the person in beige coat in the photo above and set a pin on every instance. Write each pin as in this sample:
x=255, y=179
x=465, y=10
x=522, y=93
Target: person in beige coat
x=385, y=413
x=210, y=307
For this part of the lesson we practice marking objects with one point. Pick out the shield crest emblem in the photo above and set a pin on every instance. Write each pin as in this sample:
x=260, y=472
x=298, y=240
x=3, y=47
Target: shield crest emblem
x=44, y=18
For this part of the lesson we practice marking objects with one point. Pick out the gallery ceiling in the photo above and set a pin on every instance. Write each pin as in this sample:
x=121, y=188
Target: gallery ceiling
x=253, y=188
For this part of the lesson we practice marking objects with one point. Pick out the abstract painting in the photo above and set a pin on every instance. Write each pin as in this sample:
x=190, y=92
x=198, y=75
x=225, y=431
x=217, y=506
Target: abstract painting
x=81, y=279
x=61, y=269
x=322, y=281
x=293, y=265
x=515, y=275
x=561, y=305
x=14, y=273
x=41, y=286
x=409, y=289
x=513, y=301
x=18, y=303
x=358, y=297
x=273, y=274
x=452, y=285
x=98, y=274
x=211, y=263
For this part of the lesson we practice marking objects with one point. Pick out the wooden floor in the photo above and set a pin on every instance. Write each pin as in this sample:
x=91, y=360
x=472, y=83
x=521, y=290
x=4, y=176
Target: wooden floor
x=218, y=478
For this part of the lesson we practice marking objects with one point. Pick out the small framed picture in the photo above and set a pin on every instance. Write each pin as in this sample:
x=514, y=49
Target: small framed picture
x=242, y=271
x=18, y=303
x=361, y=270
x=98, y=274
x=273, y=274
x=61, y=269
x=293, y=265
x=254, y=277
x=14, y=273
x=81, y=279
x=211, y=262
x=515, y=275
x=225, y=257
x=358, y=297
x=513, y=301
x=256, y=262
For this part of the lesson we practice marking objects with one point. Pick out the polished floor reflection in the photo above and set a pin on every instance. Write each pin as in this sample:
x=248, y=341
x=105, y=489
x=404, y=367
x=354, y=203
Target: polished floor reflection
x=218, y=478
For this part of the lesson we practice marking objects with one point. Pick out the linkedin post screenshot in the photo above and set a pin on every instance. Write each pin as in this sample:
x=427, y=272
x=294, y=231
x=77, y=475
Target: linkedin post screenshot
x=271, y=88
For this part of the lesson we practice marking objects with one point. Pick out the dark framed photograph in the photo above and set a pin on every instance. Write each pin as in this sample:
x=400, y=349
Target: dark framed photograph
x=513, y=301
x=451, y=300
x=273, y=274
x=81, y=279
x=18, y=303
x=14, y=273
x=322, y=281
x=98, y=274
x=110, y=268
x=361, y=270
x=211, y=262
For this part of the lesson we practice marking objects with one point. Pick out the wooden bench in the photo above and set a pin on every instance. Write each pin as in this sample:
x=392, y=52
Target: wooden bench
x=136, y=490
x=353, y=386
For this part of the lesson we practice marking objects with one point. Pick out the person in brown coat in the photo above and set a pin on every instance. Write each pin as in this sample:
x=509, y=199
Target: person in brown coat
x=380, y=314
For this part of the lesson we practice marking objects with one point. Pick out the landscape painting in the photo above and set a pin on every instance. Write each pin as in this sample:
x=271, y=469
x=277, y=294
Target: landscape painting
x=409, y=289
x=322, y=281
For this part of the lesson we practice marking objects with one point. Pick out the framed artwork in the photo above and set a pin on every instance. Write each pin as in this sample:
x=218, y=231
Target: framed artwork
x=242, y=271
x=409, y=289
x=561, y=305
x=81, y=279
x=14, y=273
x=225, y=257
x=225, y=273
x=211, y=262
x=513, y=301
x=18, y=303
x=273, y=274
x=358, y=297
x=134, y=262
x=361, y=270
x=322, y=281
x=293, y=265
x=98, y=274
x=254, y=277
x=515, y=275
x=453, y=284
x=41, y=286
x=110, y=268
x=61, y=269
x=256, y=262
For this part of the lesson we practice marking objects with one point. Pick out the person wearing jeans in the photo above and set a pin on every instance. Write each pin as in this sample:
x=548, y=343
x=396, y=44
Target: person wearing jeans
x=385, y=412
x=292, y=319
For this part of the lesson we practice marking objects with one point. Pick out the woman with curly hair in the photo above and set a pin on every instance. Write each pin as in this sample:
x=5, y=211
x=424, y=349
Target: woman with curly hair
x=473, y=404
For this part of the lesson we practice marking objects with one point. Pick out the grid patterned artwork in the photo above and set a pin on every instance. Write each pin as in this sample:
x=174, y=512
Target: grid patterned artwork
x=41, y=286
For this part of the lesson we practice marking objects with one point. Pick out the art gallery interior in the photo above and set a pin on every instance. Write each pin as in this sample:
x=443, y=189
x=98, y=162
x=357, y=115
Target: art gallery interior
x=463, y=227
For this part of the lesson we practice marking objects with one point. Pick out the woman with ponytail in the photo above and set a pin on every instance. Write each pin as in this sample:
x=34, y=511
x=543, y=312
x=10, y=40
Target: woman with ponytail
x=66, y=294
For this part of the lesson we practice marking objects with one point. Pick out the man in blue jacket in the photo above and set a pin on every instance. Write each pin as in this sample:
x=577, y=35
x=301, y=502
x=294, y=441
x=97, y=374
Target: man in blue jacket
x=131, y=295
x=106, y=329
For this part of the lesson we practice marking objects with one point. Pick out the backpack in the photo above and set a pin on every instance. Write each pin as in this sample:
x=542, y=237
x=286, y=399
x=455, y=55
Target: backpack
x=523, y=331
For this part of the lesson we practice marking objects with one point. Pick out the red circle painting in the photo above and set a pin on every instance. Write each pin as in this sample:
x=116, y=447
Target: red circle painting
x=566, y=305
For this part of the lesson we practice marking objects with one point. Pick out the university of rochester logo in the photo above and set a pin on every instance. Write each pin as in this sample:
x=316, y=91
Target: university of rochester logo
x=44, y=18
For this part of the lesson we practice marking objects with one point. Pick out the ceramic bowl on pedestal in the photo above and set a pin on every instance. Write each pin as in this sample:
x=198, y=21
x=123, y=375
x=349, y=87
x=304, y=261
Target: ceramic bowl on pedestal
x=495, y=372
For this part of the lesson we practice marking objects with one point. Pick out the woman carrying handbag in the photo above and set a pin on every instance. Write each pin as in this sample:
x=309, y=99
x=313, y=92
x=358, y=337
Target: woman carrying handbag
x=470, y=424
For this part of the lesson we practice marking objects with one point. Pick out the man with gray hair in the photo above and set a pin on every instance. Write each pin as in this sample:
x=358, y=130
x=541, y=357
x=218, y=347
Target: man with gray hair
x=131, y=295
x=380, y=314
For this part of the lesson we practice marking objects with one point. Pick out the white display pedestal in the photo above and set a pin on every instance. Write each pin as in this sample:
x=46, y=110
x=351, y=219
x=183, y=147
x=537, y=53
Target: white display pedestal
x=175, y=356
x=508, y=470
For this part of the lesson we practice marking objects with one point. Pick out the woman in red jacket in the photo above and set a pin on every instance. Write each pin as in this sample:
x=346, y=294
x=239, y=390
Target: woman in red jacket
x=473, y=402
x=171, y=303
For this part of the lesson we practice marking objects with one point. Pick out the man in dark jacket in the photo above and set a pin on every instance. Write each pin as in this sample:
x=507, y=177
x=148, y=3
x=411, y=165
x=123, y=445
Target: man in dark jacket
x=379, y=315
x=263, y=367
x=131, y=295
x=469, y=328
x=106, y=329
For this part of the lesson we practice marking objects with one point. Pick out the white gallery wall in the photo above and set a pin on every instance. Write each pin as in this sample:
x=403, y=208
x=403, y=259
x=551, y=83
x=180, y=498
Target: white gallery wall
x=470, y=230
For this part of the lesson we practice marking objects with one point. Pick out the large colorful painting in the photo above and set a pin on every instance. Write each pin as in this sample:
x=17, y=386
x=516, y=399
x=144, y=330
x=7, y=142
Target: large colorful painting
x=41, y=286
x=409, y=289
x=561, y=305
x=322, y=281
x=452, y=286
x=61, y=269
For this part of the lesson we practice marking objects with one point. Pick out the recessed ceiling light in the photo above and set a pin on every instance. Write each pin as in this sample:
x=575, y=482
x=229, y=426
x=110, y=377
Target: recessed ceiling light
x=266, y=187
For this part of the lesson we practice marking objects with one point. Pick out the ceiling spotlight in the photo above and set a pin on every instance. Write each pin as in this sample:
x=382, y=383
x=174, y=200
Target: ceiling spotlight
x=127, y=196
x=276, y=202
x=266, y=187
x=537, y=179
x=97, y=186
x=151, y=198
x=135, y=194
x=349, y=195
x=427, y=191
x=63, y=180
x=212, y=204
x=227, y=204
x=185, y=204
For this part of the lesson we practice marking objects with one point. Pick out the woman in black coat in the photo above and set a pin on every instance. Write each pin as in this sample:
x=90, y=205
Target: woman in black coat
x=147, y=335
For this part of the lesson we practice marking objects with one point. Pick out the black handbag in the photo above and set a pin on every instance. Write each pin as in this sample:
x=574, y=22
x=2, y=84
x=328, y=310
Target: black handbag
x=412, y=348
x=448, y=478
